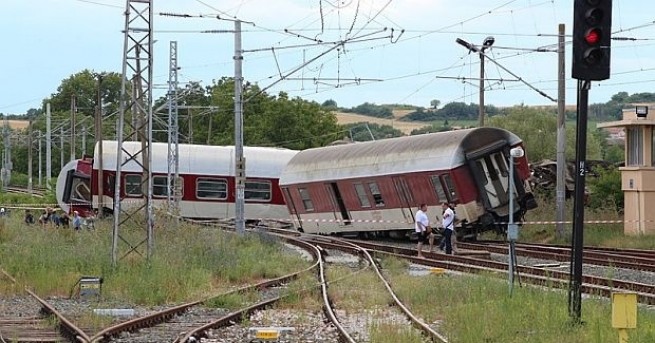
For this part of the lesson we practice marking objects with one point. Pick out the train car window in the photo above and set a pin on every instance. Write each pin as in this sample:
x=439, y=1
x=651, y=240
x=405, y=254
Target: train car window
x=81, y=190
x=449, y=187
x=502, y=165
x=159, y=186
x=211, y=189
x=375, y=191
x=361, y=194
x=306, y=201
x=133, y=185
x=258, y=191
x=482, y=170
x=160, y=189
x=438, y=188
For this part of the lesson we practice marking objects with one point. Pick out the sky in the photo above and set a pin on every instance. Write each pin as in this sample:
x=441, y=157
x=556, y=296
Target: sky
x=395, y=51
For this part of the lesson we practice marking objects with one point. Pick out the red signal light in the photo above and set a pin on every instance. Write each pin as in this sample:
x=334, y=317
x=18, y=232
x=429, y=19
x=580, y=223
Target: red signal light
x=592, y=36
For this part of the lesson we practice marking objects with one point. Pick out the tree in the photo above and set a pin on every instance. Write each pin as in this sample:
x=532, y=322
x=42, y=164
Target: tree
x=435, y=103
x=538, y=130
x=331, y=104
x=361, y=132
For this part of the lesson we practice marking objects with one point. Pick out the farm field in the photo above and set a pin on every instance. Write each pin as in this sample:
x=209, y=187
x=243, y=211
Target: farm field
x=405, y=127
x=18, y=124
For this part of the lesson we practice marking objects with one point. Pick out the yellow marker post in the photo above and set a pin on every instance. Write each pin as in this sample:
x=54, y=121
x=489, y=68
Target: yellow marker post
x=624, y=314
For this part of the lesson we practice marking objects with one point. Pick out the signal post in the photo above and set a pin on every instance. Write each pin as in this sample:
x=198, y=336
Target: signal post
x=592, y=26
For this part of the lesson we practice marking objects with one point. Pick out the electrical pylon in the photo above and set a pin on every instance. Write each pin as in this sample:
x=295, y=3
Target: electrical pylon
x=135, y=156
x=173, y=137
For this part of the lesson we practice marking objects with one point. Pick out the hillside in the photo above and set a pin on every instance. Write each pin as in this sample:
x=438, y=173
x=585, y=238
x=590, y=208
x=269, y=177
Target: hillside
x=406, y=127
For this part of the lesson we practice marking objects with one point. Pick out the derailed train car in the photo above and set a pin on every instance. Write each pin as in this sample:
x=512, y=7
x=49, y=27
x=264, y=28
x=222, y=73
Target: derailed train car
x=375, y=187
x=207, y=177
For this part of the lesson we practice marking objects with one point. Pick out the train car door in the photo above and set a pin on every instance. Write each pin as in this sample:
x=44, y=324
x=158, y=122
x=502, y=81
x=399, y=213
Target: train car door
x=495, y=178
x=337, y=202
x=291, y=205
x=405, y=196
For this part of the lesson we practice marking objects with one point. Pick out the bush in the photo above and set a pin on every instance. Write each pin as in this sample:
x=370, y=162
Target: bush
x=606, y=189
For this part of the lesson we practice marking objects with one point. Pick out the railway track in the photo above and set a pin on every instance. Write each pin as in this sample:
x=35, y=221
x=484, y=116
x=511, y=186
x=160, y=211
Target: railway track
x=37, y=192
x=42, y=324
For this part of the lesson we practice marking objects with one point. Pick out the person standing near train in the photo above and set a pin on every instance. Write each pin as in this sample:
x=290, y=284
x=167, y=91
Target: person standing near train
x=448, y=223
x=422, y=228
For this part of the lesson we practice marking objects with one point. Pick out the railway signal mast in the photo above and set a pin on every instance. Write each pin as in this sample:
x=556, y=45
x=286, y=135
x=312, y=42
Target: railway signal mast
x=592, y=25
x=137, y=57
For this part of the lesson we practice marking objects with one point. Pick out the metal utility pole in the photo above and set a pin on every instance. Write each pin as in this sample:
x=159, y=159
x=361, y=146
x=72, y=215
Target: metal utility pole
x=48, y=146
x=73, y=110
x=239, y=160
x=137, y=57
x=190, y=120
x=487, y=43
x=40, y=176
x=29, y=156
x=98, y=137
x=561, y=135
x=173, y=175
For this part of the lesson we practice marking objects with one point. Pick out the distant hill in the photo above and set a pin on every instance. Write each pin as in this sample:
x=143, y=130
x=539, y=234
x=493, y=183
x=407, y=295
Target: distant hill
x=404, y=126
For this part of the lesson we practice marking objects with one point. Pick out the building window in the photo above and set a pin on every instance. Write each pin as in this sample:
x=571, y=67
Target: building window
x=133, y=185
x=635, y=146
x=211, y=189
x=306, y=201
x=361, y=194
x=258, y=191
x=438, y=188
x=652, y=149
x=375, y=191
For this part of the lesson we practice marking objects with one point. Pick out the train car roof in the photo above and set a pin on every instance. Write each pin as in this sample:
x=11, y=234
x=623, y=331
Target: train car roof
x=434, y=151
x=200, y=159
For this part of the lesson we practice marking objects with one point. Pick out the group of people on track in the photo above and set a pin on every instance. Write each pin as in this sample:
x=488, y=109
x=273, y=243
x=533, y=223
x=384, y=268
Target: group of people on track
x=425, y=231
x=51, y=218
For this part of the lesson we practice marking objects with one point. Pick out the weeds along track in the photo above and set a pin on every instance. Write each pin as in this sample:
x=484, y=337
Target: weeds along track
x=33, y=319
x=355, y=249
x=189, y=322
x=594, y=285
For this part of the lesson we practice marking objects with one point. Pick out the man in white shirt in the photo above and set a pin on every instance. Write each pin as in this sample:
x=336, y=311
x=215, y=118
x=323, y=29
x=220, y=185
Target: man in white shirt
x=422, y=228
x=448, y=223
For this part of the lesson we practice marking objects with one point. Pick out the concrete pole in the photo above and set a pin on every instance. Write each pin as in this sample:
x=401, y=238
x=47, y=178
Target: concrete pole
x=561, y=136
x=48, y=146
x=72, y=142
x=98, y=136
x=40, y=158
x=29, y=157
x=481, y=114
x=61, y=147
x=240, y=163
x=83, y=140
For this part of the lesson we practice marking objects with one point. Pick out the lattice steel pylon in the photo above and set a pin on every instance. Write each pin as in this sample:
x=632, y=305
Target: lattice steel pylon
x=173, y=176
x=137, y=58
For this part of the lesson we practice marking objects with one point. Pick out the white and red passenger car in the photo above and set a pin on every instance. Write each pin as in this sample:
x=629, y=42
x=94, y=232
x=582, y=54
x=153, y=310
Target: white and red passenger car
x=377, y=186
x=207, y=173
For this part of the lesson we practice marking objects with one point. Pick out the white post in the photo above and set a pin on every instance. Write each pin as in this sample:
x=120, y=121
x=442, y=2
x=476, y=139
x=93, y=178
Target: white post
x=512, y=229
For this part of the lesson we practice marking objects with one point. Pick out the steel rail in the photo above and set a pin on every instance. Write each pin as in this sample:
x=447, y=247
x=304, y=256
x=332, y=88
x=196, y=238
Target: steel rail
x=560, y=255
x=421, y=325
x=599, y=285
x=165, y=315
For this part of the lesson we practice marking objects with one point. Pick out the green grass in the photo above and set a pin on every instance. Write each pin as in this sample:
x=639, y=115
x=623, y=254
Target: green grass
x=188, y=263
x=479, y=309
